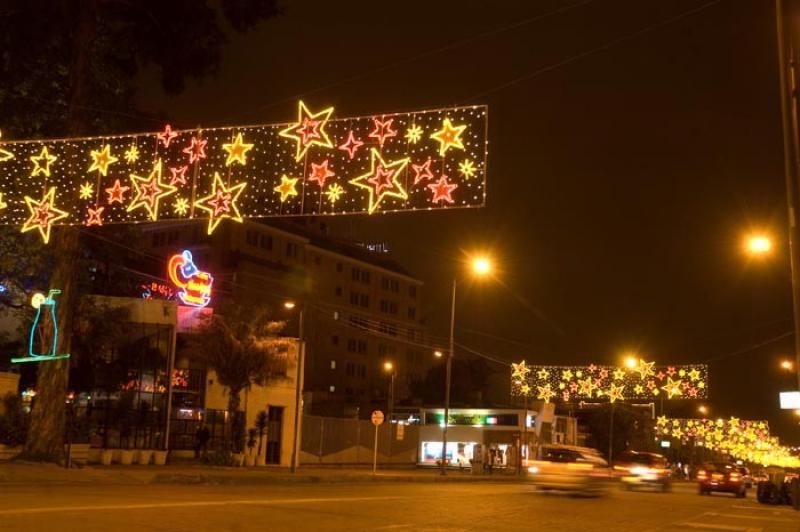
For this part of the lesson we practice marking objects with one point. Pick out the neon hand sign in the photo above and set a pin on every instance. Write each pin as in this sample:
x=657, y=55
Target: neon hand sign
x=194, y=285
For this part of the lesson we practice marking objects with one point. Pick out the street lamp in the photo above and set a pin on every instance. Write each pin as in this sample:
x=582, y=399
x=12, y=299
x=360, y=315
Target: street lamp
x=388, y=367
x=758, y=245
x=298, y=399
x=703, y=409
x=481, y=267
x=631, y=362
x=438, y=354
x=787, y=365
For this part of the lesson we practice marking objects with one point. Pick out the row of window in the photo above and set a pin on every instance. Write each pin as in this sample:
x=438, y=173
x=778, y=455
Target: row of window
x=358, y=299
x=265, y=242
x=352, y=369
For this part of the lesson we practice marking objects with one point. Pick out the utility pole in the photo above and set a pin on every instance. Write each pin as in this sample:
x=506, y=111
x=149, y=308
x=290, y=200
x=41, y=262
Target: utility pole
x=787, y=57
x=449, y=372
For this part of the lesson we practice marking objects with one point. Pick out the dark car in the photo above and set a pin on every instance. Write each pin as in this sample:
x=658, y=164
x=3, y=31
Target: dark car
x=643, y=469
x=719, y=476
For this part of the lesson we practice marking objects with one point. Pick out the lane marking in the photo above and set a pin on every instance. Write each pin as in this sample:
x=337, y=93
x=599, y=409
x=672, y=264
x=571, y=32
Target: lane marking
x=774, y=509
x=720, y=527
x=757, y=518
x=193, y=504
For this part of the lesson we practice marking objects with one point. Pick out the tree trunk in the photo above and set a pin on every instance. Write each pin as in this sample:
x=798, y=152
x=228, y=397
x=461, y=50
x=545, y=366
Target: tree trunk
x=237, y=430
x=46, y=435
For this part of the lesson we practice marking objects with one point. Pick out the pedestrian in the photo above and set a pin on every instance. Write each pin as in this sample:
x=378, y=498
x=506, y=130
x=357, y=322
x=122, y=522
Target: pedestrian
x=201, y=440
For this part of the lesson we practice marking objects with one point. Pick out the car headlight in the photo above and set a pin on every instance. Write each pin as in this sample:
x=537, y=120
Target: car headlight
x=640, y=470
x=533, y=469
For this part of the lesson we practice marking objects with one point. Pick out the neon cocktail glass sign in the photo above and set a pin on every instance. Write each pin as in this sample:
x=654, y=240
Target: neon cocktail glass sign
x=194, y=285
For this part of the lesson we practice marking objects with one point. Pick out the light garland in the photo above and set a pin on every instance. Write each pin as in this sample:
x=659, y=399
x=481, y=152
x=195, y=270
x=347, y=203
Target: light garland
x=125, y=169
x=644, y=381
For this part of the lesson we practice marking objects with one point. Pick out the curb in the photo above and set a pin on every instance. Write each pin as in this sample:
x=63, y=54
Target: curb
x=232, y=480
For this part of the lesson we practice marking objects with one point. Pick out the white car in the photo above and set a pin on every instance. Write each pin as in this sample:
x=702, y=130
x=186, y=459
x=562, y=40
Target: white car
x=569, y=468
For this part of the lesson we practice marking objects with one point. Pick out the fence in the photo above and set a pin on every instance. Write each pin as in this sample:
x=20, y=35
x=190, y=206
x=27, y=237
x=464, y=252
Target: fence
x=327, y=440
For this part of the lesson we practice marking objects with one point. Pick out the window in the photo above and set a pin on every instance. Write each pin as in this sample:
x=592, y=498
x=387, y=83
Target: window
x=392, y=308
x=384, y=306
x=159, y=239
x=317, y=260
x=291, y=250
x=412, y=313
x=332, y=388
x=352, y=345
x=339, y=267
x=355, y=274
x=354, y=298
x=338, y=291
x=266, y=242
x=362, y=371
x=412, y=291
x=362, y=346
x=364, y=276
x=364, y=300
x=333, y=364
x=350, y=369
x=335, y=340
x=384, y=283
x=387, y=328
x=251, y=237
x=395, y=286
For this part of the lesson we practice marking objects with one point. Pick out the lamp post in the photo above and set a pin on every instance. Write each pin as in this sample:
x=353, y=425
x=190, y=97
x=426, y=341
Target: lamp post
x=298, y=400
x=389, y=367
x=481, y=266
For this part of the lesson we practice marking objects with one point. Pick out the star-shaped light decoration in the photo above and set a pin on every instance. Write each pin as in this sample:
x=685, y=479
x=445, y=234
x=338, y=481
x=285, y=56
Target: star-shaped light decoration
x=320, y=173
x=149, y=191
x=196, y=150
x=615, y=393
x=520, y=370
x=117, y=192
x=43, y=214
x=383, y=130
x=442, y=190
x=351, y=145
x=694, y=375
x=101, y=159
x=525, y=389
x=178, y=176
x=586, y=386
x=237, y=151
x=95, y=216
x=287, y=188
x=672, y=388
x=619, y=374
x=422, y=171
x=449, y=136
x=181, y=206
x=638, y=389
x=644, y=369
x=86, y=191
x=166, y=137
x=413, y=134
x=382, y=180
x=221, y=203
x=543, y=374
x=661, y=421
x=604, y=373
x=573, y=386
x=5, y=155
x=466, y=168
x=42, y=162
x=566, y=375
x=3, y=204
x=334, y=192
x=545, y=393
x=309, y=130
x=132, y=154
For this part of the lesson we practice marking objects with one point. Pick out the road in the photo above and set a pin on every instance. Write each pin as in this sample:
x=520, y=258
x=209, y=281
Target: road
x=418, y=507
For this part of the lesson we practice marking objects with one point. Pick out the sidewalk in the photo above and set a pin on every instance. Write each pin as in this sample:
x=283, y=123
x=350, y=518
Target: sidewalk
x=27, y=473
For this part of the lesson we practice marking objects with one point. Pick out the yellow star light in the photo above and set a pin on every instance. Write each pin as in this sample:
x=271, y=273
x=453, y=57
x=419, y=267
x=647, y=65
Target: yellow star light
x=86, y=191
x=287, y=187
x=221, y=203
x=449, y=136
x=237, y=151
x=638, y=389
x=334, y=192
x=43, y=214
x=41, y=164
x=181, y=206
x=149, y=191
x=525, y=389
x=3, y=204
x=545, y=393
x=644, y=369
x=132, y=154
x=586, y=386
x=694, y=375
x=466, y=168
x=413, y=134
x=615, y=393
x=672, y=387
x=375, y=181
x=101, y=159
x=309, y=130
x=519, y=371
x=543, y=374
x=5, y=155
x=566, y=375
x=619, y=374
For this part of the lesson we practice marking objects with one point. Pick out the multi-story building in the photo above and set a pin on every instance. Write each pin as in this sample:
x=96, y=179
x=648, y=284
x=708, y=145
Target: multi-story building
x=359, y=308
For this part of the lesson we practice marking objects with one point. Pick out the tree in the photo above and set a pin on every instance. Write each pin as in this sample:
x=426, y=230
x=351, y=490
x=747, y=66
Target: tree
x=67, y=69
x=470, y=377
x=241, y=344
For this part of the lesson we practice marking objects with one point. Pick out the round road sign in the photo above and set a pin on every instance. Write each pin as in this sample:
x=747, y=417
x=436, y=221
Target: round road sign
x=377, y=417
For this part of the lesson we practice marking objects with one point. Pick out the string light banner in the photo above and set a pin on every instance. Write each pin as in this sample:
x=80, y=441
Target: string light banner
x=314, y=165
x=644, y=381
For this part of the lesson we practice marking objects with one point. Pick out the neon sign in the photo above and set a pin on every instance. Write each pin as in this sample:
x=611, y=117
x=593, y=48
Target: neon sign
x=154, y=290
x=194, y=285
x=44, y=328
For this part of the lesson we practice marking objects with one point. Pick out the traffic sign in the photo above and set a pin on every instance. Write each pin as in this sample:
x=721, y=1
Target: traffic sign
x=377, y=417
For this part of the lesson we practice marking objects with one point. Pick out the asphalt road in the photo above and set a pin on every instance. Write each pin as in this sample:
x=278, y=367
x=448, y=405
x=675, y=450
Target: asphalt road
x=375, y=506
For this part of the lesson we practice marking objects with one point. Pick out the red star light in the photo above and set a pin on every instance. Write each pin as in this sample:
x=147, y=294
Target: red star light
x=422, y=171
x=383, y=130
x=166, y=137
x=95, y=216
x=381, y=179
x=178, y=175
x=43, y=214
x=221, y=202
x=351, y=145
x=309, y=130
x=320, y=173
x=117, y=192
x=442, y=190
x=196, y=150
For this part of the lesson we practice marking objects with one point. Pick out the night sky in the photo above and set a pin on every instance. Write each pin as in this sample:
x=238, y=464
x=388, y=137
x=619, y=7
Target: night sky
x=620, y=184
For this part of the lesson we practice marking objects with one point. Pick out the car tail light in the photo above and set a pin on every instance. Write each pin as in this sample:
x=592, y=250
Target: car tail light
x=620, y=468
x=734, y=477
x=702, y=475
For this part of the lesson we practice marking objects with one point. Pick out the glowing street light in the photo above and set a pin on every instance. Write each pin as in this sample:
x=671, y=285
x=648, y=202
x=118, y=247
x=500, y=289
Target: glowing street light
x=787, y=365
x=631, y=362
x=703, y=409
x=481, y=265
x=289, y=304
x=388, y=366
x=438, y=354
x=759, y=245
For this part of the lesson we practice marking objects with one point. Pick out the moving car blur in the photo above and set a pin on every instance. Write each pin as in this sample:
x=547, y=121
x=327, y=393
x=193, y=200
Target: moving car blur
x=722, y=477
x=641, y=469
x=569, y=468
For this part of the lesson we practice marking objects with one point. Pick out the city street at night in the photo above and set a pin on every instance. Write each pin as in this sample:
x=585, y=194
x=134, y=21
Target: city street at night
x=381, y=506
